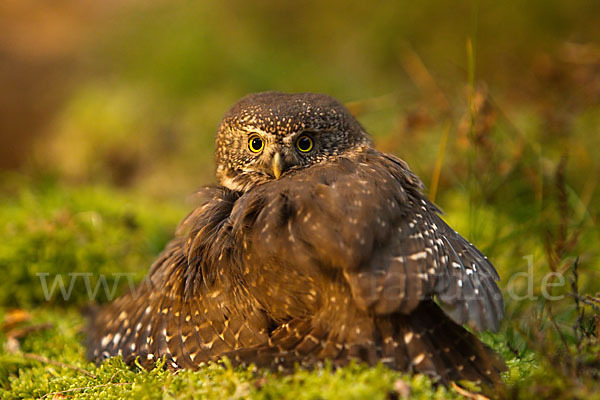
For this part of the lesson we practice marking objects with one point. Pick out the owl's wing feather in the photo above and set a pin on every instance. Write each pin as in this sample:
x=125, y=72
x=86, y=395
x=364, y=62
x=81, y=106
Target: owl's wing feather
x=183, y=310
x=366, y=217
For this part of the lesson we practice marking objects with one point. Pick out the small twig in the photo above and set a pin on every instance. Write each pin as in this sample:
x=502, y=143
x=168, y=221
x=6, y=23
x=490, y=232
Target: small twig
x=587, y=300
x=469, y=395
x=113, y=377
x=563, y=206
x=591, y=301
x=578, y=327
x=86, y=387
x=438, y=162
x=44, y=360
x=423, y=79
x=22, y=332
x=560, y=334
x=15, y=317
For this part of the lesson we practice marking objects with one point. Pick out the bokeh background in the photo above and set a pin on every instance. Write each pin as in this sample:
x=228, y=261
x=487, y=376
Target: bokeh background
x=108, y=111
x=130, y=92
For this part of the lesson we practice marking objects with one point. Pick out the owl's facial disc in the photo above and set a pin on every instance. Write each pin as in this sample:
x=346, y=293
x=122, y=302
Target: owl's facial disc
x=265, y=136
x=273, y=155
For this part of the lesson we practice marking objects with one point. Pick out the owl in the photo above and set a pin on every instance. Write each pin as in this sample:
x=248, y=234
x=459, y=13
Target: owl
x=314, y=247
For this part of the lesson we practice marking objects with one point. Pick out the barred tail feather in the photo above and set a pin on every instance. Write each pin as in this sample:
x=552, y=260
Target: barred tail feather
x=427, y=341
x=439, y=347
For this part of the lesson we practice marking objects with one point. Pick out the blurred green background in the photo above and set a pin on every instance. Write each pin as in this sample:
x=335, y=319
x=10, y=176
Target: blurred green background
x=108, y=111
x=131, y=92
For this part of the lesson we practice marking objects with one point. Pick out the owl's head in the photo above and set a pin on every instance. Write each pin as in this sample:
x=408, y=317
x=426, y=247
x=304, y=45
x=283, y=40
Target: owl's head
x=265, y=136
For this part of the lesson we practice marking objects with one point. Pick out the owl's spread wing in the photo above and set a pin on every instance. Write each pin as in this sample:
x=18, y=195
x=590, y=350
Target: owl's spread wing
x=366, y=218
x=168, y=316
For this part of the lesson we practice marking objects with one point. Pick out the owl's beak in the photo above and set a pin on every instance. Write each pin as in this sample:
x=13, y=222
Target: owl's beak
x=277, y=165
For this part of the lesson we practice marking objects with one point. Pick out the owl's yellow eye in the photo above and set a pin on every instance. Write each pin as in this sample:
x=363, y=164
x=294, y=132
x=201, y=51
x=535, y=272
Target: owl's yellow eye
x=255, y=143
x=304, y=143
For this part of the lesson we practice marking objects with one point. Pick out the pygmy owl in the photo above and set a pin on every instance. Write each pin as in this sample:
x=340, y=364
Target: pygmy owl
x=314, y=247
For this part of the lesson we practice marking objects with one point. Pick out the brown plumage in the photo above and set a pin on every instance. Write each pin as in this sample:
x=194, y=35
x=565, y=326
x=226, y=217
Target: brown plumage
x=303, y=256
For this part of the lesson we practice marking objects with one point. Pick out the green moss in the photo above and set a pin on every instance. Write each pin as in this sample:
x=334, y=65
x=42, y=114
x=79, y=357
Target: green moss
x=55, y=234
x=24, y=378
